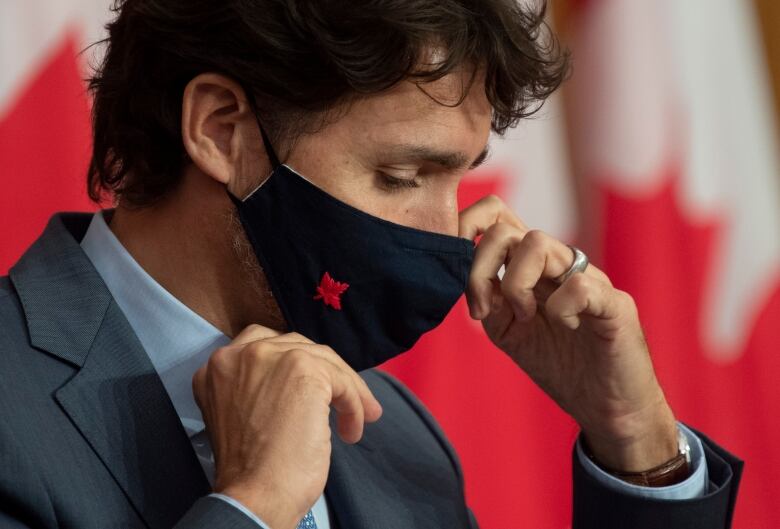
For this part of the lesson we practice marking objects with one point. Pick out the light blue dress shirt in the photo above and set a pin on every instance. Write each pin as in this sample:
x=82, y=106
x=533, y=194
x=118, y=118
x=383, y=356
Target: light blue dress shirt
x=178, y=341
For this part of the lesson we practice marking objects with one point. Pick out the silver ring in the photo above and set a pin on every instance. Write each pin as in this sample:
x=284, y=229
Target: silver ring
x=579, y=265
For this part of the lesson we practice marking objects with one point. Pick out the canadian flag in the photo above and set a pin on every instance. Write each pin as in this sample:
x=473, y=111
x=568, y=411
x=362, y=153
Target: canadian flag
x=44, y=114
x=665, y=171
x=673, y=133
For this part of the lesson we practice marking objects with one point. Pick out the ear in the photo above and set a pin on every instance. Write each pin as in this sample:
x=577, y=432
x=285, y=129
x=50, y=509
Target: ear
x=220, y=133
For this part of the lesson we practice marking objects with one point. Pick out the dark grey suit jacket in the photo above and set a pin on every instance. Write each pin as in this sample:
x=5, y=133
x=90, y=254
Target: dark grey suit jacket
x=89, y=438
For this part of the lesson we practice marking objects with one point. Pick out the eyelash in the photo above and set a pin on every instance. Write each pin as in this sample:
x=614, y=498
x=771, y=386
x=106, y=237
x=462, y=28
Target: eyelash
x=392, y=183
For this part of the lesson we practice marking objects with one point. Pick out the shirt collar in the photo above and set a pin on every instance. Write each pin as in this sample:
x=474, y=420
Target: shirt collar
x=177, y=340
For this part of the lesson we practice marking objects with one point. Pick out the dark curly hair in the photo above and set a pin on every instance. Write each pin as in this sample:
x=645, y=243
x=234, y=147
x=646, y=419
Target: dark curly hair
x=299, y=58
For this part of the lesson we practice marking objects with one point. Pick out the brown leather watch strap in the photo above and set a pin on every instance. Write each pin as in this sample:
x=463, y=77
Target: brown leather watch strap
x=673, y=471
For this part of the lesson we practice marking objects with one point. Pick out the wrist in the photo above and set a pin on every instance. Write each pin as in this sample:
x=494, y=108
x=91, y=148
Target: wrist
x=642, y=445
x=267, y=507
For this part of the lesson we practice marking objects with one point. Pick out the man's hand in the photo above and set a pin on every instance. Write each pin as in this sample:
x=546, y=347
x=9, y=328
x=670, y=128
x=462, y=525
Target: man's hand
x=265, y=400
x=581, y=341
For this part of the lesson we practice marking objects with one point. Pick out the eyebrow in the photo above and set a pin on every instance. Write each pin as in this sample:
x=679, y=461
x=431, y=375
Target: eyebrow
x=450, y=160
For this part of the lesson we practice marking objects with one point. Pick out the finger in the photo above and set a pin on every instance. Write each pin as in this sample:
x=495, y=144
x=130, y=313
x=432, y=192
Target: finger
x=583, y=295
x=535, y=257
x=489, y=257
x=538, y=256
x=346, y=400
x=477, y=218
x=501, y=316
x=295, y=341
x=372, y=407
x=253, y=333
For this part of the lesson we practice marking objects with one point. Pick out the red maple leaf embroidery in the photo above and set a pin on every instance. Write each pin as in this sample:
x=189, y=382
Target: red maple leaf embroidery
x=330, y=291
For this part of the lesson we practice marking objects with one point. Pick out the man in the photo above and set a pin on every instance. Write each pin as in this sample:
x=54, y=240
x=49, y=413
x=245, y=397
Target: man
x=173, y=361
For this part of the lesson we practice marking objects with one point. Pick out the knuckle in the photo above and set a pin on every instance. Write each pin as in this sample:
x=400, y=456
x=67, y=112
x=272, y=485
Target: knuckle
x=255, y=331
x=494, y=200
x=536, y=239
x=627, y=300
x=326, y=350
x=296, y=337
x=502, y=230
x=579, y=284
x=218, y=358
x=493, y=231
x=599, y=274
x=298, y=361
x=254, y=351
x=532, y=253
x=254, y=327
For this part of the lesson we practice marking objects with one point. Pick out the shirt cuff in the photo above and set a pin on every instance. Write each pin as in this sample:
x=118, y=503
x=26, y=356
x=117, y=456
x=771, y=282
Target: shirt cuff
x=693, y=487
x=240, y=506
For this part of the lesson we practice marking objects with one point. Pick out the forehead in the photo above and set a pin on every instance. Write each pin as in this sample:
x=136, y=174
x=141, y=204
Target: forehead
x=451, y=112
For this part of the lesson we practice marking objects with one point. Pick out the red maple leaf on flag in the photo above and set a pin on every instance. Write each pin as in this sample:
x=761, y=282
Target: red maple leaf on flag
x=330, y=291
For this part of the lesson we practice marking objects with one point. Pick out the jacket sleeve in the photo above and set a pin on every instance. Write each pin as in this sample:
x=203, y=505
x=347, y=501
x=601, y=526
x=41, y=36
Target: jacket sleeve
x=473, y=524
x=599, y=507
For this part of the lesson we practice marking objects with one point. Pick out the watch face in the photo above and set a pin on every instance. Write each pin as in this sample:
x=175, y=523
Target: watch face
x=683, y=446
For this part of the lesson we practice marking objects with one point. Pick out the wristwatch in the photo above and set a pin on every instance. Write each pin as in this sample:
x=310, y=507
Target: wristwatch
x=674, y=471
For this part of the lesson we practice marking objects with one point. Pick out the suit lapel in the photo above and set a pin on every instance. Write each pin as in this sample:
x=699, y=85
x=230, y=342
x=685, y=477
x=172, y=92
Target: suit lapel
x=116, y=400
x=120, y=406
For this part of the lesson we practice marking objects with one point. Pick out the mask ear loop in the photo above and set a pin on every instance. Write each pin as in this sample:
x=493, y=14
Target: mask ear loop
x=269, y=149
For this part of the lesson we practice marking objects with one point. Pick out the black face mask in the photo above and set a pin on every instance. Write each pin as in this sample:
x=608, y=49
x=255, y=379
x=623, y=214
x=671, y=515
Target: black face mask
x=366, y=287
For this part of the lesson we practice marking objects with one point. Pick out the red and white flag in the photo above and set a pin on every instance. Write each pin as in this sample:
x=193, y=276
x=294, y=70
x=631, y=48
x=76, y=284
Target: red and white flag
x=674, y=136
x=44, y=114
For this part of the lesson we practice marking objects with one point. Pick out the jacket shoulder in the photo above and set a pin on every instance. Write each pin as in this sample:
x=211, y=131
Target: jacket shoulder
x=12, y=318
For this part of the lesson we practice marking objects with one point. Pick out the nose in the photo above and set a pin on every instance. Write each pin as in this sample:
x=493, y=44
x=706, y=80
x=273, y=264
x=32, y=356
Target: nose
x=441, y=214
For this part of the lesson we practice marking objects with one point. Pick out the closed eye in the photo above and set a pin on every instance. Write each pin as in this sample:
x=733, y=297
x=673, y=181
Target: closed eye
x=392, y=183
x=480, y=159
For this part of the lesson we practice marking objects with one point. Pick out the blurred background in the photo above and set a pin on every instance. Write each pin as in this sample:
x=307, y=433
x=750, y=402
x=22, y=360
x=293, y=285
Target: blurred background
x=659, y=158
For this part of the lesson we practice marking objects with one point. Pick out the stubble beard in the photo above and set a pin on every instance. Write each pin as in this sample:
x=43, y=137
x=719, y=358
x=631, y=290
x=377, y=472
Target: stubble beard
x=252, y=275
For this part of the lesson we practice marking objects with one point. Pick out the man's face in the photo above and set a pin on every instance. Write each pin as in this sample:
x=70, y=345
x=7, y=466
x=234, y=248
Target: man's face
x=400, y=155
